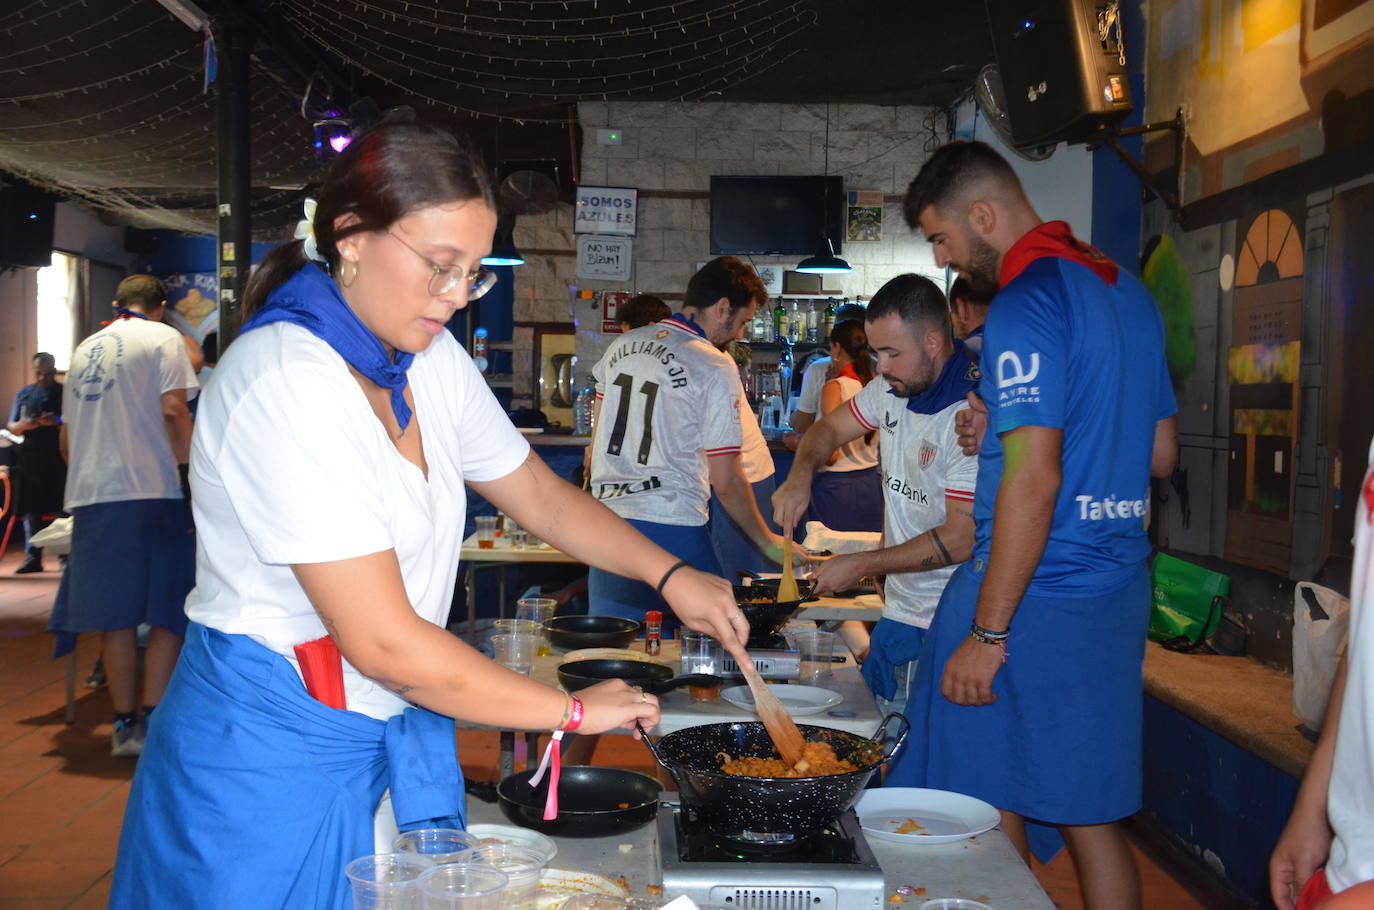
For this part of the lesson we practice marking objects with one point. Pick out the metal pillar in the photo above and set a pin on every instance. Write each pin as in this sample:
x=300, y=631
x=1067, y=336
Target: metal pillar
x=233, y=41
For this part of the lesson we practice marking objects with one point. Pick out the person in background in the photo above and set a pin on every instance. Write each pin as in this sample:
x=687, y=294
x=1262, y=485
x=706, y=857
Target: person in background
x=969, y=310
x=640, y=310
x=40, y=471
x=814, y=378
x=330, y=461
x=127, y=438
x=668, y=432
x=1327, y=847
x=927, y=481
x=847, y=490
x=209, y=349
x=1035, y=653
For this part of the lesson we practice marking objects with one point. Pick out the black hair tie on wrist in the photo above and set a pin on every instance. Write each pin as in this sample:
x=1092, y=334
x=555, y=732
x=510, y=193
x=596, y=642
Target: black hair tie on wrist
x=669, y=574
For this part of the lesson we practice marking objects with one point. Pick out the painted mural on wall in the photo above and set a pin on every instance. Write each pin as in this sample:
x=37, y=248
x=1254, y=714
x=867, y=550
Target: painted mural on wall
x=191, y=303
x=1266, y=83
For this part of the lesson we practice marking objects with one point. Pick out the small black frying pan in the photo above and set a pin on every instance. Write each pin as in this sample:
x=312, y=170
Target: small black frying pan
x=652, y=678
x=592, y=801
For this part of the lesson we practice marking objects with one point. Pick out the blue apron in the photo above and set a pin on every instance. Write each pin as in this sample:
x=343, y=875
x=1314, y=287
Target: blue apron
x=250, y=793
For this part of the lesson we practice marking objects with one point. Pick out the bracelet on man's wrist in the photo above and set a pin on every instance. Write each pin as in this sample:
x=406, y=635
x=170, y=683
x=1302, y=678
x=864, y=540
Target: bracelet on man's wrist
x=988, y=636
x=669, y=574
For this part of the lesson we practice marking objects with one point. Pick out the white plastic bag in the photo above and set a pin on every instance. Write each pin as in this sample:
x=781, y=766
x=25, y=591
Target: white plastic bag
x=819, y=537
x=56, y=538
x=1318, y=645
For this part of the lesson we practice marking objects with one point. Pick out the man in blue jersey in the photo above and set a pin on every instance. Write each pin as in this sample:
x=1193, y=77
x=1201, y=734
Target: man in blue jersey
x=1029, y=689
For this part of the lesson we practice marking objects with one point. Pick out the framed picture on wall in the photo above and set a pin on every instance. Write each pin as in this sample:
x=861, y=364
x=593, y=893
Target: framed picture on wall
x=771, y=276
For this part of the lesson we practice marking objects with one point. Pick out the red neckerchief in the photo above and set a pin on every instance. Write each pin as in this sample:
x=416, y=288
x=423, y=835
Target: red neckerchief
x=850, y=372
x=1054, y=238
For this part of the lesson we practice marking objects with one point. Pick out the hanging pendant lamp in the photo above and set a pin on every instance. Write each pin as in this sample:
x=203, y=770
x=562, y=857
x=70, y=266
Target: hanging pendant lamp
x=825, y=262
x=503, y=249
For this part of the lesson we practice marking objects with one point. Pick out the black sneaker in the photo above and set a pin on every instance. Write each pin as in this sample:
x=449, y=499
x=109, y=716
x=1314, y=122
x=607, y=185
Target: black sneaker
x=30, y=564
x=97, y=677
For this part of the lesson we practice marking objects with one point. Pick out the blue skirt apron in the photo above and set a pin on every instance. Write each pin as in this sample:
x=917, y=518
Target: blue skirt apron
x=1062, y=743
x=250, y=793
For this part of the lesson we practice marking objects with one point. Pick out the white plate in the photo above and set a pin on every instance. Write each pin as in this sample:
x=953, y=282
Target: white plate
x=557, y=885
x=510, y=834
x=530, y=431
x=798, y=700
x=942, y=816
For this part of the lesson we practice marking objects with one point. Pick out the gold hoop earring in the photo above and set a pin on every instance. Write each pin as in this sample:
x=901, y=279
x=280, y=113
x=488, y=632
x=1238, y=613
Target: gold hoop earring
x=347, y=279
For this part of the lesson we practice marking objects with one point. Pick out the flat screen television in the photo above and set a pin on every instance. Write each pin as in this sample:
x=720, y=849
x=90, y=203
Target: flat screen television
x=784, y=216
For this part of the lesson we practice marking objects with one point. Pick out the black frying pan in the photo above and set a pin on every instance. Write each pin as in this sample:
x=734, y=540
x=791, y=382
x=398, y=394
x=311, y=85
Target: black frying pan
x=592, y=801
x=653, y=678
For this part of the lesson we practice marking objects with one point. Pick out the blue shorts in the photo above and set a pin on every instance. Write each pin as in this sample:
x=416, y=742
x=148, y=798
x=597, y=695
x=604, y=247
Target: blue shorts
x=615, y=595
x=847, y=500
x=735, y=552
x=1062, y=743
x=131, y=563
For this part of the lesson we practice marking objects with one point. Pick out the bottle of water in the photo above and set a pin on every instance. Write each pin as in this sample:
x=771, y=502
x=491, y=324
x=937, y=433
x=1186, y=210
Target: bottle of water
x=584, y=408
x=479, y=350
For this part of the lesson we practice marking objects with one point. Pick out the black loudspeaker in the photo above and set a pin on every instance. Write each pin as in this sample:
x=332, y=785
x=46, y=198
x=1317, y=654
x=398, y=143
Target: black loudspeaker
x=26, y=217
x=1063, y=67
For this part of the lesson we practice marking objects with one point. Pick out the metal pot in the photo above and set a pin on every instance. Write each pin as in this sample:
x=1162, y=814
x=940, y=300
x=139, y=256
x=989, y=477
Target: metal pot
x=573, y=632
x=652, y=678
x=592, y=801
x=761, y=808
x=767, y=618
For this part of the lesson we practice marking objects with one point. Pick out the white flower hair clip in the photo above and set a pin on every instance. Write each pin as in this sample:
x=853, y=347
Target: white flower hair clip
x=305, y=230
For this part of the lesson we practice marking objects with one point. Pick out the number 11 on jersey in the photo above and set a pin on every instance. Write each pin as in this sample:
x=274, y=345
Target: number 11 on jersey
x=622, y=414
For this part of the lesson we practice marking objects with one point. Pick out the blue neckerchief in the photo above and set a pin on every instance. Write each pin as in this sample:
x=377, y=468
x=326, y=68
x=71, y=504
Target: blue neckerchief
x=957, y=378
x=686, y=323
x=312, y=301
x=126, y=313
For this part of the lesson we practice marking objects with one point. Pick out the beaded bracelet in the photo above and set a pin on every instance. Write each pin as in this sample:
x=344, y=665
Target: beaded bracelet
x=987, y=636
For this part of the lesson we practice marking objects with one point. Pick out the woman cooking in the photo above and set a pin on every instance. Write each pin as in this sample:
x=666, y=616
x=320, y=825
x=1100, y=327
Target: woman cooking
x=328, y=468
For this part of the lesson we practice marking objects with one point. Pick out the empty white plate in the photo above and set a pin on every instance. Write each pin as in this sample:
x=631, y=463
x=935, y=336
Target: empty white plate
x=798, y=700
x=913, y=815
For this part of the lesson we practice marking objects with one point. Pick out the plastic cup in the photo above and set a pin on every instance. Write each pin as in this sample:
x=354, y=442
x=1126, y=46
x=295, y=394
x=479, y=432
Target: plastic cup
x=815, y=649
x=540, y=610
x=486, y=531
x=387, y=881
x=954, y=903
x=518, y=536
x=702, y=654
x=515, y=651
x=466, y=885
x=516, y=627
x=522, y=866
x=438, y=845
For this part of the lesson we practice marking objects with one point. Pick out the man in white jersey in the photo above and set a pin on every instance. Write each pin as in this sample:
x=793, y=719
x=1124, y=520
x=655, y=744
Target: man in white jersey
x=668, y=432
x=924, y=378
x=127, y=438
x=1327, y=847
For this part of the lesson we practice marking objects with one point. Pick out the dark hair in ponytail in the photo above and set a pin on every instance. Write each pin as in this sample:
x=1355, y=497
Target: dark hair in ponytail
x=853, y=340
x=384, y=175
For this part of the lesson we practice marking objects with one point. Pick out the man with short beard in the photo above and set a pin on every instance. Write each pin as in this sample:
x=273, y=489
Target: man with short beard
x=923, y=378
x=1029, y=693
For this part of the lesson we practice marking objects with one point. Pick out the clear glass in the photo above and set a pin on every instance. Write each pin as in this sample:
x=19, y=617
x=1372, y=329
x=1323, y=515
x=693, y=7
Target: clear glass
x=387, y=881
x=701, y=654
x=516, y=627
x=486, y=531
x=439, y=845
x=515, y=652
x=540, y=610
x=463, y=886
x=815, y=649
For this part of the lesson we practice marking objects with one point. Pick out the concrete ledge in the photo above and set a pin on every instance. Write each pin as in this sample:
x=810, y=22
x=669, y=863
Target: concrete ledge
x=1249, y=704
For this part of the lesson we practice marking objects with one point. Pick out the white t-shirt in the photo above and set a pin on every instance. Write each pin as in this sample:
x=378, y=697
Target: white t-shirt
x=855, y=455
x=1350, y=797
x=813, y=379
x=922, y=467
x=754, y=456
x=669, y=400
x=290, y=465
x=112, y=405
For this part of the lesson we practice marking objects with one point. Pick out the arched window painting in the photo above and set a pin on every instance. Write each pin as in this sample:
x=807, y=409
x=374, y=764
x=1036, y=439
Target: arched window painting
x=1262, y=372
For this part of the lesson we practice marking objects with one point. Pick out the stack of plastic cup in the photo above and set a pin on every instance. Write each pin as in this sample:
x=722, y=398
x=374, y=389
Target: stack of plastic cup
x=438, y=845
x=387, y=881
x=464, y=886
x=540, y=610
x=521, y=865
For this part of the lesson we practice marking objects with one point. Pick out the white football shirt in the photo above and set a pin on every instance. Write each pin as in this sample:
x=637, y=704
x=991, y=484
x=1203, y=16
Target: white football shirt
x=669, y=400
x=922, y=465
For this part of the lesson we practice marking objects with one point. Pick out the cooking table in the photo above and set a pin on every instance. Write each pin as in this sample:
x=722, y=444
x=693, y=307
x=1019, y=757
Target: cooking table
x=984, y=868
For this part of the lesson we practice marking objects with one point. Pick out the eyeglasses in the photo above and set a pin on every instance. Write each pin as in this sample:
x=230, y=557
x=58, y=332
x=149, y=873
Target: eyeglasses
x=446, y=278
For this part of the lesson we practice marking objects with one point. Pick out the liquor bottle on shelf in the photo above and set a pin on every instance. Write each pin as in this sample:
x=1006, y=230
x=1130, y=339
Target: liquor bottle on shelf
x=794, y=323
x=479, y=350
x=779, y=321
x=812, y=323
x=829, y=320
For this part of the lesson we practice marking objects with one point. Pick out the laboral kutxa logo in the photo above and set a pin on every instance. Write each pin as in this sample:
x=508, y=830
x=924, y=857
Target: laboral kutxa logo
x=1014, y=379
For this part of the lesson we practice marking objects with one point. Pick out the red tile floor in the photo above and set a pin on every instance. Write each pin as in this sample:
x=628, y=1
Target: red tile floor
x=62, y=795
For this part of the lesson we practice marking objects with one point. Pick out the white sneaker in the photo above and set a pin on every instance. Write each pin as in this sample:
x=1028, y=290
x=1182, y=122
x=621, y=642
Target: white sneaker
x=127, y=741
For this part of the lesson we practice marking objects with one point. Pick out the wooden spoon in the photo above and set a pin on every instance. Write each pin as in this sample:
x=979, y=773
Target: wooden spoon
x=787, y=585
x=787, y=739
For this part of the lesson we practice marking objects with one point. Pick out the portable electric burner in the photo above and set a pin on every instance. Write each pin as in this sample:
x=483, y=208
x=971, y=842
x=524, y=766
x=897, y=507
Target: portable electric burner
x=830, y=870
x=772, y=656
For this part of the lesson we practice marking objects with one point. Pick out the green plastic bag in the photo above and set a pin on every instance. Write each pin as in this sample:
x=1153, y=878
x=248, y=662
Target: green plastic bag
x=1188, y=601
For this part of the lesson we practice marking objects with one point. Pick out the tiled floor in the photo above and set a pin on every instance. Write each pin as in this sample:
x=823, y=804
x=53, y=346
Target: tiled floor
x=62, y=796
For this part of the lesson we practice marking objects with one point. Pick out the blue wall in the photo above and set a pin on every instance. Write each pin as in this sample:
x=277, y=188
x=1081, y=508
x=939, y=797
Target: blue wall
x=178, y=253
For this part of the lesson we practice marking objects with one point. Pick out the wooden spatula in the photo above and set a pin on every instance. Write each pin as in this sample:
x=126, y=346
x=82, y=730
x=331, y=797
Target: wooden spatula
x=787, y=739
x=787, y=585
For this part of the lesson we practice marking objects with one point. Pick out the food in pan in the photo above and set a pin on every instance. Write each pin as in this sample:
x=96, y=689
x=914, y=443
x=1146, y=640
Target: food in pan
x=818, y=760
